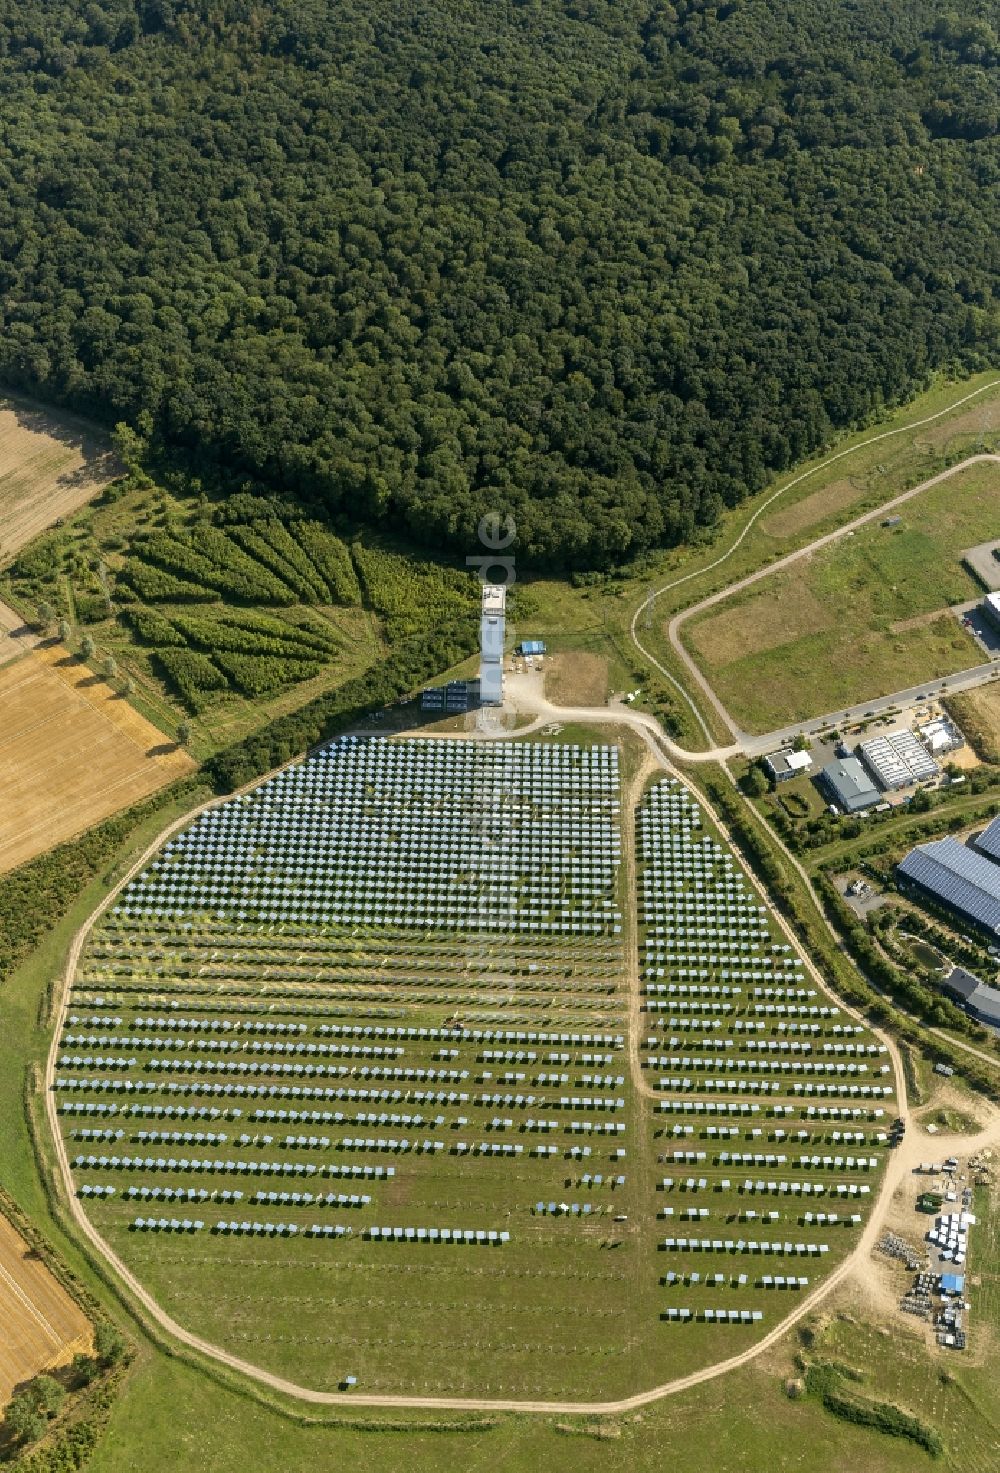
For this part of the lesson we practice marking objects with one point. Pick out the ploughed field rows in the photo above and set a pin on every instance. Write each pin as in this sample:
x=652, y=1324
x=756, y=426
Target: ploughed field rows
x=772, y=1106
x=344, y=1075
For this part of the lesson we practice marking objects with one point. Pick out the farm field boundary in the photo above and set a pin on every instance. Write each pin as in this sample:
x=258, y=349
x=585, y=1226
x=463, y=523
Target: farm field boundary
x=71, y=753
x=43, y=1327
x=51, y=464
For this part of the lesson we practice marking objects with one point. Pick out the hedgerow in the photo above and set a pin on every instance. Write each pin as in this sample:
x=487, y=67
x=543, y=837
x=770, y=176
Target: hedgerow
x=259, y=675
x=248, y=635
x=239, y=576
x=192, y=675
x=332, y=561
x=155, y=585
x=152, y=627
x=273, y=546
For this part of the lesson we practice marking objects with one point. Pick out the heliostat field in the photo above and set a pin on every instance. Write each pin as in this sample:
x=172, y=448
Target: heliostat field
x=364, y=1076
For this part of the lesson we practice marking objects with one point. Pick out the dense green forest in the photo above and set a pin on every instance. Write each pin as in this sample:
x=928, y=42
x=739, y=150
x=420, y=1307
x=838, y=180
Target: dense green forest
x=606, y=263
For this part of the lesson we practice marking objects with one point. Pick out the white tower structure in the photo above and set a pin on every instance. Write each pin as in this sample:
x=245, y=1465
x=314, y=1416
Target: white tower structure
x=491, y=637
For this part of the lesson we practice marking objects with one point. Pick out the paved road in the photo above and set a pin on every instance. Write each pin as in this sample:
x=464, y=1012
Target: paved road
x=916, y=695
x=645, y=608
x=674, y=627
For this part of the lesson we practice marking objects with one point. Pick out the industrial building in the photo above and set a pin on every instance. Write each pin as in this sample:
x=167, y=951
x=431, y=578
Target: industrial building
x=531, y=647
x=940, y=736
x=976, y=996
x=960, y=879
x=991, y=610
x=898, y=760
x=988, y=842
x=491, y=638
x=847, y=784
x=788, y=764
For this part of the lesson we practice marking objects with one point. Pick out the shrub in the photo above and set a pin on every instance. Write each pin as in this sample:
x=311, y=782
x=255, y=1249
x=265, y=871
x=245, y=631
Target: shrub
x=191, y=674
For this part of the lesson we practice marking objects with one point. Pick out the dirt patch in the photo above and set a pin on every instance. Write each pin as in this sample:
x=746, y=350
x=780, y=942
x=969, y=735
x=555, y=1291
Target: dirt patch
x=50, y=465
x=71, y=753
x=43, y=1326
x=838, y=496
x=576, y=678
x=902, y=626
x=977, y=713
x=762, y=623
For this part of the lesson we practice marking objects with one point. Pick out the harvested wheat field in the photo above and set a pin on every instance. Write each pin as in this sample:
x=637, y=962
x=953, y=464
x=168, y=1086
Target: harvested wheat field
x=50, y=464
x=43, y=1326
x=71, y=753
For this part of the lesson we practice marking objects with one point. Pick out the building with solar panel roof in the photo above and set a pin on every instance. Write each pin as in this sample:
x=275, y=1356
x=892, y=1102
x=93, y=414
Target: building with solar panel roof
x=960, y=879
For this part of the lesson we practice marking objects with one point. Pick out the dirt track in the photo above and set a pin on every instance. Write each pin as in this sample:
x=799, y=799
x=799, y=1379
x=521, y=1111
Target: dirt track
x=900, y=1162
x=647, y=604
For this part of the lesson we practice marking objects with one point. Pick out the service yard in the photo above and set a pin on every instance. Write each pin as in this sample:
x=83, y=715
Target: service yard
x=72, y=752
x=50, y=465
x=43, y=1326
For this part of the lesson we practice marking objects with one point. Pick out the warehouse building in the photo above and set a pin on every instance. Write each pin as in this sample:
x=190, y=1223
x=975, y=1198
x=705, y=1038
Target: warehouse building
x=988, y=842
x=898, y=760
x=848, y=785
x=964, y=882
x=976, y=996
x=788, y=764
x=990, y=608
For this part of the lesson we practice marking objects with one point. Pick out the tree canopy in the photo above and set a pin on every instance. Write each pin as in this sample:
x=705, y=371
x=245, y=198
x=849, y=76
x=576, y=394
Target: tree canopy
x=605, y=264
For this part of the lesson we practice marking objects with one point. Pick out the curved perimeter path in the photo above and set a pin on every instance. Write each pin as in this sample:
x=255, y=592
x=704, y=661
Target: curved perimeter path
x=898, y=1164
x=646, y=606
x=673, y=628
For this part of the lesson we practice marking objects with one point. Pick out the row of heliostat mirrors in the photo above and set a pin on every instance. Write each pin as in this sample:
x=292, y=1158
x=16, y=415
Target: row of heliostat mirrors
x=462, y=835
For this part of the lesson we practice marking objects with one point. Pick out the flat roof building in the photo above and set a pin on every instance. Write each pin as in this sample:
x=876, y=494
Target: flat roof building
x=491, y=640
x=897, y=760
x=940, y=736
x=848, y=785
x=787, y=764
x=532, y=647
x=977, y=996
x=958, y=878
x=991, y=609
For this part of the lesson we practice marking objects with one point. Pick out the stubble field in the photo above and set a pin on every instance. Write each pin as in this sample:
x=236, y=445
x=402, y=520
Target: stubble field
x=50, y=465
x=71, y=753
x=43, y=1327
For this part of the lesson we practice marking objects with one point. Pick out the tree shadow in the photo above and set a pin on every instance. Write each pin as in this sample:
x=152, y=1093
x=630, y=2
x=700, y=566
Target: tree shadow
x=163, y=749
x=88, y=440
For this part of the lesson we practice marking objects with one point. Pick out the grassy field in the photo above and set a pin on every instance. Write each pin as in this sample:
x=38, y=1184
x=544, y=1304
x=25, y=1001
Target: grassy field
x=865, y=615
x=51, y=464
x=43, y=1326
x=71, y=753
